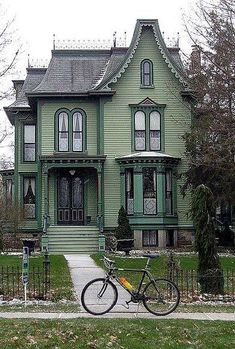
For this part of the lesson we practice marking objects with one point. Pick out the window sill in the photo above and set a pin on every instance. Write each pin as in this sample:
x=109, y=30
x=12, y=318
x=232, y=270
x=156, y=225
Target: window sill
x=151, y=86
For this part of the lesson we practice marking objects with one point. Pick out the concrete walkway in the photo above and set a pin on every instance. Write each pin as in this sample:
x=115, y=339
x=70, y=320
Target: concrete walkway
x=83, y=269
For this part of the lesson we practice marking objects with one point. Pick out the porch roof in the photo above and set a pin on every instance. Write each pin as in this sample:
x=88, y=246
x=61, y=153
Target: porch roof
x=147, y=156
x=77, y=160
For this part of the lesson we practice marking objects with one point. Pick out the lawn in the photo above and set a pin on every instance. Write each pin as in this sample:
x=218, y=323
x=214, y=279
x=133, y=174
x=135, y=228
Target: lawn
x=61, y=283
x=185, y=275
x=116, y=334
x=159, y=265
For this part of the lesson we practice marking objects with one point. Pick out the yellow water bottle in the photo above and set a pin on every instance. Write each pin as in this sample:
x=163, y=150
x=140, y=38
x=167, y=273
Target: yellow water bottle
x=126, y=284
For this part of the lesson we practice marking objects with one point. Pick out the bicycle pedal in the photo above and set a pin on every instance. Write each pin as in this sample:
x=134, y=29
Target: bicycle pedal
x=126, y=305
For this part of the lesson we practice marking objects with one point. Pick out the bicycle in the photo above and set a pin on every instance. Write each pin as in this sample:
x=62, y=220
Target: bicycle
x=160, y=296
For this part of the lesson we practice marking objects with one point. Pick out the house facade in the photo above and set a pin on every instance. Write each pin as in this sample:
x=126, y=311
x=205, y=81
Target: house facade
x=99, y=129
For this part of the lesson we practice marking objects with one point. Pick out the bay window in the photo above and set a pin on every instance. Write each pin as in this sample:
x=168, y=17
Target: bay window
x=150, y=191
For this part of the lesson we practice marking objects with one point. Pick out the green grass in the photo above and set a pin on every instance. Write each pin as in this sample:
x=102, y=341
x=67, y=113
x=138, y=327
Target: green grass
x=159, y=265
x=116, y=334
x=61, y=283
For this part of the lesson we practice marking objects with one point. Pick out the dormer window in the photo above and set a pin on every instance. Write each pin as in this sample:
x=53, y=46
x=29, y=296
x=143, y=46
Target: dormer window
x=146, y=73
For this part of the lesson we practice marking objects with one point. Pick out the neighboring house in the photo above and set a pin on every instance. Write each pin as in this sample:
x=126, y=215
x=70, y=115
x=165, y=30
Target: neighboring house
x=101, y=128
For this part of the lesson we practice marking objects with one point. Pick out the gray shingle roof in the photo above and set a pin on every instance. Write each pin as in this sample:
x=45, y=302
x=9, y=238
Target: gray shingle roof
x=33, y=78
x=73, y=71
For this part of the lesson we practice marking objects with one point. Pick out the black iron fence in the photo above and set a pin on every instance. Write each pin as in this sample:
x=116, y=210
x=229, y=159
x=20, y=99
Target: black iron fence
x=38, y=287
x=190, y=288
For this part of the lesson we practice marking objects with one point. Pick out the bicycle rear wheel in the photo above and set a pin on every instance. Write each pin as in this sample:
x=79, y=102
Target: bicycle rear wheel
x=99, y=296
x=161, y=297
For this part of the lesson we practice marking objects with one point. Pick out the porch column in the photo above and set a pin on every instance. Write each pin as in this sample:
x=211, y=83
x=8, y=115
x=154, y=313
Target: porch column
x=100, y=197
x=46, y=202
x=122, y=187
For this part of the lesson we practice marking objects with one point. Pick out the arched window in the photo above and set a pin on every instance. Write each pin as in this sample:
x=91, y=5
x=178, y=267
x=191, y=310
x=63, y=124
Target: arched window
x=154, y=131
x=146, y=73
x=63, y=122
x=140, y=132
x=77, y=131
x=70, y=126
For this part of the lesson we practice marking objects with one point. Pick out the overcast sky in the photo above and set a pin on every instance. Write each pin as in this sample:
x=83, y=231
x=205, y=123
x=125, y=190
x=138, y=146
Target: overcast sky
x=37, y=21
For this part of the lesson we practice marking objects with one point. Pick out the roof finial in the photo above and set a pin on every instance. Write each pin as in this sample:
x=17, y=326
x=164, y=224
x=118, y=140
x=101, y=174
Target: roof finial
x=125, y=39
x=178, y=40
x=53, y=41
x=114, y=39
x=28, y=61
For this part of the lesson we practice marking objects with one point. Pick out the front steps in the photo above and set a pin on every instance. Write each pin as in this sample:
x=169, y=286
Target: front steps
x=72, y=239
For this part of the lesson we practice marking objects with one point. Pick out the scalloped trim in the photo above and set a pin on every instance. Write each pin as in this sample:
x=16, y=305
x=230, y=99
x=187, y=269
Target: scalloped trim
x=126, y=64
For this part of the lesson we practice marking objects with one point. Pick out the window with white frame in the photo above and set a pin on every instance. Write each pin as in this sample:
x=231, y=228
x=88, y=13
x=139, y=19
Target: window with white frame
x=147, y=130
x=70, y=131
x=29, y=142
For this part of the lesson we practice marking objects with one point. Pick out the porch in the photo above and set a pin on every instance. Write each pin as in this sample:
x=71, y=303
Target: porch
x=72, y=197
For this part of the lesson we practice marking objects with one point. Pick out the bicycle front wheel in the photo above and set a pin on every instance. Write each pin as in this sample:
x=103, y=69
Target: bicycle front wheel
x=161, y=297
x=99, y=296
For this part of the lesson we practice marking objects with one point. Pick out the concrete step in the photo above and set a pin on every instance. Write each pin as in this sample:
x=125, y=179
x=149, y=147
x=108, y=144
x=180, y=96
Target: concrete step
x=73, y=239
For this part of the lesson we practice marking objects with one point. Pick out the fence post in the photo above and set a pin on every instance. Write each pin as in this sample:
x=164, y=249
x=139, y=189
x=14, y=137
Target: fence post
x=46, y=267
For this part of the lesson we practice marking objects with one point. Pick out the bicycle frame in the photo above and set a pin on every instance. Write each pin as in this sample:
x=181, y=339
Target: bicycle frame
x=145, y=272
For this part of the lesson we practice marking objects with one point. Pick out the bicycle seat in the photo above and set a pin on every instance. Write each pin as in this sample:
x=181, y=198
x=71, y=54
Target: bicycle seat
x=151, y=255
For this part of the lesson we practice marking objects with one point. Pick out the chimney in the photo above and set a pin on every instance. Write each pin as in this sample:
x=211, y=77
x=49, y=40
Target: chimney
x=195, y=58
x=18, y=84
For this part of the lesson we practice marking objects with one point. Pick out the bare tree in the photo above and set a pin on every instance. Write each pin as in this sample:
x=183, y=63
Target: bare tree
x=210, y=146
x=9, y=53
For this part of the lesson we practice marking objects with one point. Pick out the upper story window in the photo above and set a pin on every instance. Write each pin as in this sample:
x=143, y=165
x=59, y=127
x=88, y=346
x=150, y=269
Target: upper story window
x=63, y=119
x=146, y=73
x=140, y=131
x=70, y=130
x=147, y=132
x=29, y=142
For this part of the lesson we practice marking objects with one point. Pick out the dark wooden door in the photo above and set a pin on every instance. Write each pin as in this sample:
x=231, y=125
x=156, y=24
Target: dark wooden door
x=70, y=200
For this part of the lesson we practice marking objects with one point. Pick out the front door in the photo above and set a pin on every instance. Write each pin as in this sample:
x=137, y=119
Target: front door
x=70, y=199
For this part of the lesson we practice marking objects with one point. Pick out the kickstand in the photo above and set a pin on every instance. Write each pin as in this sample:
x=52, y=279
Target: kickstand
x=137, y=313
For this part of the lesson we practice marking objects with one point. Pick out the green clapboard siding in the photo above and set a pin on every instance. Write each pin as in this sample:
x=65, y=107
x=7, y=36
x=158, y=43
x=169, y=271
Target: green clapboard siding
x=117, y=120
x=47, y=119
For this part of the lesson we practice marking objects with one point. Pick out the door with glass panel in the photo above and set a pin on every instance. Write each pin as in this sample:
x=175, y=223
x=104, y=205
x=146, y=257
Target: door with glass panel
x=70, y=199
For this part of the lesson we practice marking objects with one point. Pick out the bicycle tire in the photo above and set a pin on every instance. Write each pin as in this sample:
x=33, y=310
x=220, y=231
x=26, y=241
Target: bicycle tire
x=161, y=297
x=99, y=296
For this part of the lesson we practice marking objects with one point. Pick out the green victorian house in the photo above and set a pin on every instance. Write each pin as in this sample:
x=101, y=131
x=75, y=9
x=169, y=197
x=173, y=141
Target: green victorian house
x=98, y=129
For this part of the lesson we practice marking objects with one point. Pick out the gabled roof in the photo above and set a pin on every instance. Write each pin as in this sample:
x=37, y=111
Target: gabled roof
x=171, y=56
